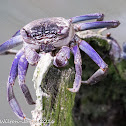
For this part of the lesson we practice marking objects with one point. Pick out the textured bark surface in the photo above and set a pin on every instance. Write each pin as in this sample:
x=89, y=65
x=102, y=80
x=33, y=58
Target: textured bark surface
x=59, y=106
x=54, y=102
x=102, y=104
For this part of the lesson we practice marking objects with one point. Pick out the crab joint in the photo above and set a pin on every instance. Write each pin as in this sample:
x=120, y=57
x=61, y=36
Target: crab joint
x=105, y=69
x=97, y=76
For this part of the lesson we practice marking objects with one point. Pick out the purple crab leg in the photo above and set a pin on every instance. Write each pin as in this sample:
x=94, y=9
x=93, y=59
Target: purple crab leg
x=61, y=58
x=97, y=16
x=100, y=73
x=96, y=25
x=11, y=43
x=10, y=94
x=123, y=54
x=22, y=70
x=77, y=61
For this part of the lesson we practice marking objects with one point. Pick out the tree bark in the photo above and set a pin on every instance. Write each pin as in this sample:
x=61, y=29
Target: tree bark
x=54, y=102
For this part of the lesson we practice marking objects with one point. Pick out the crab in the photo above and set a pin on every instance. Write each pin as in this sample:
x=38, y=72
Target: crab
x=49, y=35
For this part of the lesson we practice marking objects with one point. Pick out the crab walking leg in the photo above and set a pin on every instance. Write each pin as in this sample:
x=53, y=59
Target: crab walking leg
x=96, y=25
x=77, y=61
x=10, y=94
x=97, y=16
x=61, y=58
x=100, y=73
x=123, y=54
x=22, y=70
x=11, y=43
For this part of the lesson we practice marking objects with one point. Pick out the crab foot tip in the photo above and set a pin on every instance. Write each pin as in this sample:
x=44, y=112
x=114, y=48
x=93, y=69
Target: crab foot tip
x=31, y=102
x=72, y=90
x=24, y=118
x=116, y=24
x=16, y=108
x=27, y=94
x=101, y=17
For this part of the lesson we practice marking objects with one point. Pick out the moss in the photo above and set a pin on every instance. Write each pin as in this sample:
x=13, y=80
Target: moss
x=59, y=106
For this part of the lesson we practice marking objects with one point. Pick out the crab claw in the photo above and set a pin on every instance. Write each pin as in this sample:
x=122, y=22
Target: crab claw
x=61, y=58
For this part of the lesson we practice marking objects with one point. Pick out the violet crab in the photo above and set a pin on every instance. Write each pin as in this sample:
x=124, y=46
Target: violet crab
x=45, y=36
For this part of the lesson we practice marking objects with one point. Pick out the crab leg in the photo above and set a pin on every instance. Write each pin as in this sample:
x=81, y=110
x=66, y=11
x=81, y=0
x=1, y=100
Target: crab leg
x=78, y=68
x=10, y=94
x=97, y=16
x=61, y=60
x=22, y=70
x=96, y=25
x=11, y=43
x=100, y=73
x=123, y=54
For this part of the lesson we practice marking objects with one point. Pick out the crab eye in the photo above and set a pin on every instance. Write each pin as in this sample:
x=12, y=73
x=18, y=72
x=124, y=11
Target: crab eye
x=53, y=31
x=40, y=33
x=33, y=34
x=46, y=31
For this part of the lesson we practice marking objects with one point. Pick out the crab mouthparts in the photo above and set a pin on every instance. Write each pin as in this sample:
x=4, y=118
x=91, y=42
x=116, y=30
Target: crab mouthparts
x=47, y=48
